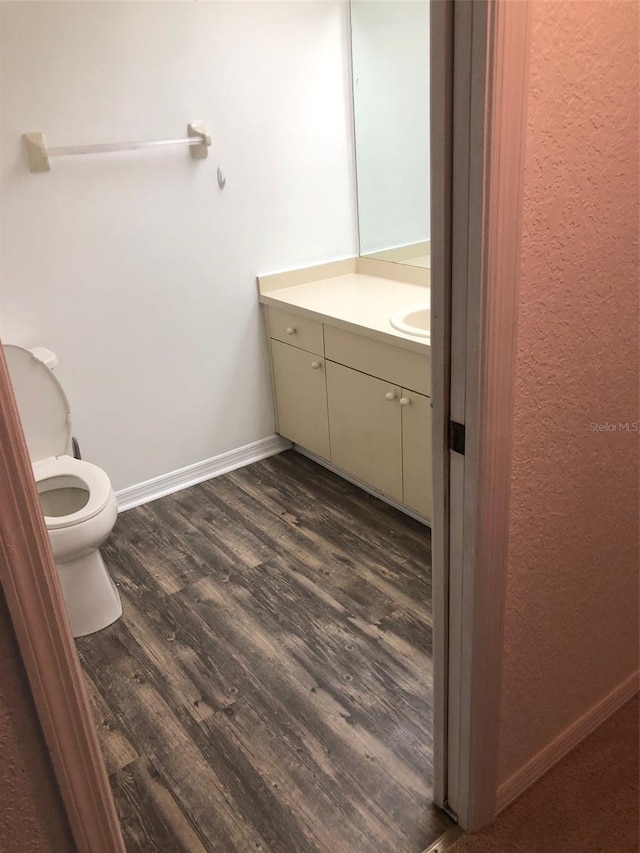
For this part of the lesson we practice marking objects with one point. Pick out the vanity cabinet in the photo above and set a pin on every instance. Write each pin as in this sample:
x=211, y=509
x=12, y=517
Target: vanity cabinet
x=300, y=397
x=366, y=429
x=360, y=403
x=381, y=434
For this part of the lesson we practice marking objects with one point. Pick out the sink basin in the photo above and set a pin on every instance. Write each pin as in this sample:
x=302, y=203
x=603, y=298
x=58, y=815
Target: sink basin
x=414, y=320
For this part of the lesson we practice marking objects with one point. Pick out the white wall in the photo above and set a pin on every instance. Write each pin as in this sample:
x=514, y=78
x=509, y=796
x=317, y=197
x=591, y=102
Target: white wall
x=136, y=268
x=391, y=96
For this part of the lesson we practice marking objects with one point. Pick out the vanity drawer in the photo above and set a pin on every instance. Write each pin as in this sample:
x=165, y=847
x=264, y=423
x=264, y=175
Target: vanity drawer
x=296, y=330
x=402, y=367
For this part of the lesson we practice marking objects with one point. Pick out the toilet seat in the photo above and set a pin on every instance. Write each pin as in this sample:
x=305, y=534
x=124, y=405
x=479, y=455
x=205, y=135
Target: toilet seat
x=90, y=477
x=46, y=421
x=42, y=403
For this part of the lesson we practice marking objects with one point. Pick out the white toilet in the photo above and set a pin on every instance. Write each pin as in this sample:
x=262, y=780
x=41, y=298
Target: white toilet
x=77, y=499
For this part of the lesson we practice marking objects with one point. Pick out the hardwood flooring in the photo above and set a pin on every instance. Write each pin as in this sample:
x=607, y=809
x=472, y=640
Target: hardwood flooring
x=268, y=687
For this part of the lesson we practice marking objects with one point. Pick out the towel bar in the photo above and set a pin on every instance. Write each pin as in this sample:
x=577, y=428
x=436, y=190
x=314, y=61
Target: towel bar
x=39, y=153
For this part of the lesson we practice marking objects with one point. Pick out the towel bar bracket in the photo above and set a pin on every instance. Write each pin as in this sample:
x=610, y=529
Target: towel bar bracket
x=198, y=131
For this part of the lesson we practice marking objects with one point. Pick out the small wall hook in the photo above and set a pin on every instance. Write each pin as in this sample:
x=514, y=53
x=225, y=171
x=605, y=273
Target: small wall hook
x=221, y=179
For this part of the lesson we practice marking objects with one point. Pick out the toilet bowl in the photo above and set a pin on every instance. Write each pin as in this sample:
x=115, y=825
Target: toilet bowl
x=77, y=499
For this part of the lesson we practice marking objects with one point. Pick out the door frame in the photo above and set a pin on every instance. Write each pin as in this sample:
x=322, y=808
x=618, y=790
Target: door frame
x=480, y=55
x=479, y=77
x=441, y=132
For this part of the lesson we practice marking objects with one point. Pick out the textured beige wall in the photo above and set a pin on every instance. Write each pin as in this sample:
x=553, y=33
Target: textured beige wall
x=31, y=815
x=571, y=629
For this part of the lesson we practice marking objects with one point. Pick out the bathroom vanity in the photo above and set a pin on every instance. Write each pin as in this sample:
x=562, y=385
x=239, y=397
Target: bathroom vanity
x=351, y=389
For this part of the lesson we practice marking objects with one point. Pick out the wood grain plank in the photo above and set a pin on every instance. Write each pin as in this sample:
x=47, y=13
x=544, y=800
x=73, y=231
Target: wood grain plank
x=323, y=548
x=308, y=717
x=269, y=685
x=154, y=821
x=326, y=712
x=117, y=750
x=159, y=548
x=150, y=720
x=375, y=517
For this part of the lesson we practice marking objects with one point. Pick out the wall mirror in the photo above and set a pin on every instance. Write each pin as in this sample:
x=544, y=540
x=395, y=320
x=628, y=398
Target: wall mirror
x=390, y=66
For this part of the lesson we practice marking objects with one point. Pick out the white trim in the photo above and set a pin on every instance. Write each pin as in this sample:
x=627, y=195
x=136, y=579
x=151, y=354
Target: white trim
x=464, y=219
x=566, y=741
x=174, y=481
x=492, y=40
x=441, y=185
x=364, y=486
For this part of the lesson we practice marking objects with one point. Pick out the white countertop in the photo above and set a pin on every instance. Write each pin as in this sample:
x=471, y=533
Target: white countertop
x=361, y=303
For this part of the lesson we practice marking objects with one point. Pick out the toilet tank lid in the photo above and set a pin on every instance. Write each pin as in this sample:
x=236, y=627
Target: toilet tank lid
x=42, y=403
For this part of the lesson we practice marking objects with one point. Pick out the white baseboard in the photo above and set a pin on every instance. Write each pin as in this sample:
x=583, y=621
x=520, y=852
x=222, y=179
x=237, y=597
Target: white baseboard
x=158, y=487
x=565, y=742
x=364, y=486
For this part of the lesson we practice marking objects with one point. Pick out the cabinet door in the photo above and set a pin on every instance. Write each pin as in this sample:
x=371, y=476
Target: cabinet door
x=365, y=423
x=301, y=397
x=416, y=452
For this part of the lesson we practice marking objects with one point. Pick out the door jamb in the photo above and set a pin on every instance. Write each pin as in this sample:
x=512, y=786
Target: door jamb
x=441, y=127
x=490, y=110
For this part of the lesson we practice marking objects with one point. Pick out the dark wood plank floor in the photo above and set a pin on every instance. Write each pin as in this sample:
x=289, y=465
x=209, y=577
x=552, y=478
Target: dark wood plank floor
x=269, y=685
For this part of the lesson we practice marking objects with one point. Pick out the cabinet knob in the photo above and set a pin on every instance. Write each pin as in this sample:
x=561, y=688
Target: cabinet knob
x=390, y=395
x=315, y=365
x=291, y=330
x=404, y=401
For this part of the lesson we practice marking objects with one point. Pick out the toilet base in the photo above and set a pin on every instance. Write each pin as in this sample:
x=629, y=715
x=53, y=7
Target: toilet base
x=92, y=600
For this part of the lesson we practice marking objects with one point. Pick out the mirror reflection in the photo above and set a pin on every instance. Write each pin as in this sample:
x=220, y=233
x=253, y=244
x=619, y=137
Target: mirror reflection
x=390, y=63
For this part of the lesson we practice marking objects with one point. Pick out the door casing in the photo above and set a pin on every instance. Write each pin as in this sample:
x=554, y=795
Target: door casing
x=480, y=55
